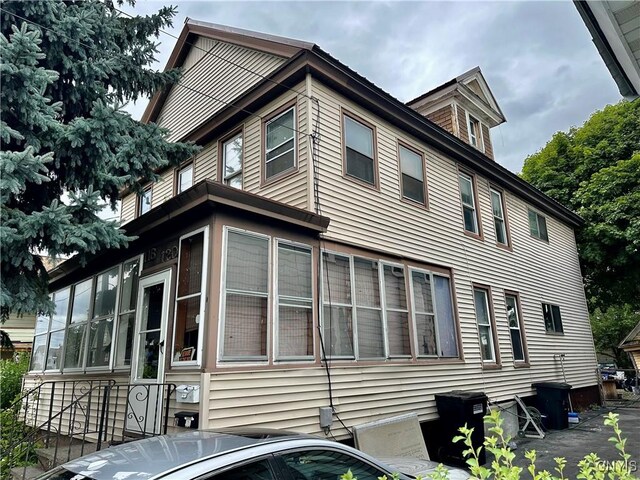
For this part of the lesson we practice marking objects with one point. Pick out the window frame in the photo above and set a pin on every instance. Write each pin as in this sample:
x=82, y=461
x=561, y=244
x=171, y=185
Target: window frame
x=238, y=132
x=495, y=362
x=236, y=360
x=190, y=164
x=474, y=192
x=374, y=139
x=523, y=337
x=120, y=313
x=93, y=319
x=505, y=219
x=555, y=331
x=87, y=322
x=140, y=200
x=411, y=201
x=202, y=295
x=277, y=113
x=277, y=357
x=472, y=120
x=538, y=215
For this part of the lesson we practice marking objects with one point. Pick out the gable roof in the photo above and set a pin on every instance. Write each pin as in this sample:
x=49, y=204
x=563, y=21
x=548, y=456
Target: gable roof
x=303, y=58
x=632, y=339
x=464, y=84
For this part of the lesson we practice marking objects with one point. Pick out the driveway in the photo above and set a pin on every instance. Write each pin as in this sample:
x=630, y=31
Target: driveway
x=590, y=435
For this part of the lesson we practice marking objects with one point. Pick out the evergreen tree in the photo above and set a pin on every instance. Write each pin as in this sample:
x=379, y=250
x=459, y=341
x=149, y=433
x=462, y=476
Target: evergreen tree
x=67, y=69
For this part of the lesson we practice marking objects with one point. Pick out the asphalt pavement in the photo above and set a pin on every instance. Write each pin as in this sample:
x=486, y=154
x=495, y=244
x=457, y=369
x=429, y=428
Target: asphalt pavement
x=588, y=436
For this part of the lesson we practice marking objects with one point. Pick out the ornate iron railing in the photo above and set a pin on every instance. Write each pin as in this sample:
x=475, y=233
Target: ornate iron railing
x=70, y=418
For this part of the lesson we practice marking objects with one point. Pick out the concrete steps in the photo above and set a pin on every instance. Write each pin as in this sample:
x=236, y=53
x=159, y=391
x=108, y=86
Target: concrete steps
x=26, y=473
x=52, y=457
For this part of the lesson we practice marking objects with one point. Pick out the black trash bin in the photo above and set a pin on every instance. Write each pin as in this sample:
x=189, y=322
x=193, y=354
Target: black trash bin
x=553, y=401
x=456, y=409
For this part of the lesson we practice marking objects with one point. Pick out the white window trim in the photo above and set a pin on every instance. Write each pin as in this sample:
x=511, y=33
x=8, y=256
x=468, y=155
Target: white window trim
x=227, y=178
x=479, y=135
x=502, y=210
x=113, y=326
x=275, y=304
x=189, y=166
x=82, y=367
x=268, y=150
x=230, y=360
x=118, y=313
x=148, y=190
x=486, y=292
x=383, y=303
x=203, y=296
x=518, y=328
x=473, y=206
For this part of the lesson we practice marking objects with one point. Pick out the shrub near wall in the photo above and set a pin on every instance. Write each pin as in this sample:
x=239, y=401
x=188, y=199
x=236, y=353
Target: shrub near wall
x=11, y=373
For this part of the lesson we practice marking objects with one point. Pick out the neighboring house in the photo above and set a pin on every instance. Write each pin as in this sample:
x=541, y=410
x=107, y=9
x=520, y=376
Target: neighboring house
x=631, y=345
x=615, y=29
x=329, y=246
x=20, y=332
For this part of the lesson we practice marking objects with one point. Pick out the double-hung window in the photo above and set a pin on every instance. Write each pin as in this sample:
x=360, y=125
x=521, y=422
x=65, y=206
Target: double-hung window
x=552, y=318
x=433, y=315
x=232, y=161
x=49, y=334
x=538, y=225
x=144, y=201
x=412, y=173
x=474, y=131
x=359, y=150
x=189, y=299
x=75, y=342
x=486, y=324
x=101, y=325
x=246, y=296
x=127, y=312
x=515, y=328
x=294, y=302
x=497, y=205
x=185, y=178
x=280, y=143
x=469, y=210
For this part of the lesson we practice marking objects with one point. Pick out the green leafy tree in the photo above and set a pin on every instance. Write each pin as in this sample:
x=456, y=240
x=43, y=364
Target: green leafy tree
x=67, y=69
x=610, y=327
x=595, y=171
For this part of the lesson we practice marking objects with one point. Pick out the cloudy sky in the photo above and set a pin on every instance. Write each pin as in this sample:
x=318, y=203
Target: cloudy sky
x=537, y=57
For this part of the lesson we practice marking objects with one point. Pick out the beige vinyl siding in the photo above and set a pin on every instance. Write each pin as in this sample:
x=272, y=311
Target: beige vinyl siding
x=206, y=163
x=219, y=80
x=163, y=189
x=128, y=208
x=540, y=271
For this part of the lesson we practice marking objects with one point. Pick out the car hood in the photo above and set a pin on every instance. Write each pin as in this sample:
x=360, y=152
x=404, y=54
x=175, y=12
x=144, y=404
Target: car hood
x=416, y=466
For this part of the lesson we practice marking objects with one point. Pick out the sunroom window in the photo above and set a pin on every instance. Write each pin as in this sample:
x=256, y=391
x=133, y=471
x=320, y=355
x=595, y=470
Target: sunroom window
x=189, y=301
x=127, y=315
x=246, y=297
x=101, y=325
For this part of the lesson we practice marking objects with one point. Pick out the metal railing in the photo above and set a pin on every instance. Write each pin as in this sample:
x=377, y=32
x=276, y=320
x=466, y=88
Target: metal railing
x=70, y=418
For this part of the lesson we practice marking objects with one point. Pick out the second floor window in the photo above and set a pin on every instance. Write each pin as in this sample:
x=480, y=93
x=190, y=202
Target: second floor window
x=538, y=225
x=232, y=161
x=144, y=202
x=498, y=217
x=280, y=143
x=412, y=172
x=467, y=195
x=185, y=178
x=359, y=151
x=552, y=319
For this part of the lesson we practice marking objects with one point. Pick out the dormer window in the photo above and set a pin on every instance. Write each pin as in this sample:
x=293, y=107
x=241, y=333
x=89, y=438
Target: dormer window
x=474, y=131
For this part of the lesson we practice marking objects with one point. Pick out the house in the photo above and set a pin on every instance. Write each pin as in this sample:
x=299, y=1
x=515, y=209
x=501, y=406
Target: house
x=615, y=29
x=631, y=345
x=329, y=246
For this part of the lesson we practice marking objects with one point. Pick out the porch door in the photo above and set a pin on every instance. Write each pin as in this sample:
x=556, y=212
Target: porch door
x=145, y=396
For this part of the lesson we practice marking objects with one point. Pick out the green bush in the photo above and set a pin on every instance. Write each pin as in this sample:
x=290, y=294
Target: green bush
x=502, y=467
x=11, y=373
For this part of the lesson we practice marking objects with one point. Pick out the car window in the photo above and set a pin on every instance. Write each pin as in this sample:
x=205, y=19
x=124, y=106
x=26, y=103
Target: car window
x=249, y=471
x=327, y=465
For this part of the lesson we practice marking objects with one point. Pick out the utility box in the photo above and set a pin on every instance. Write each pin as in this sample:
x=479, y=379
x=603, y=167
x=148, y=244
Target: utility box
x=188, y=393
x=553, y=401
x=456, y=409
x=186, y=419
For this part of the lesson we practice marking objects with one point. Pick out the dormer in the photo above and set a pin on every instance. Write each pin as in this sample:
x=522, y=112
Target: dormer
x=465, y=107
